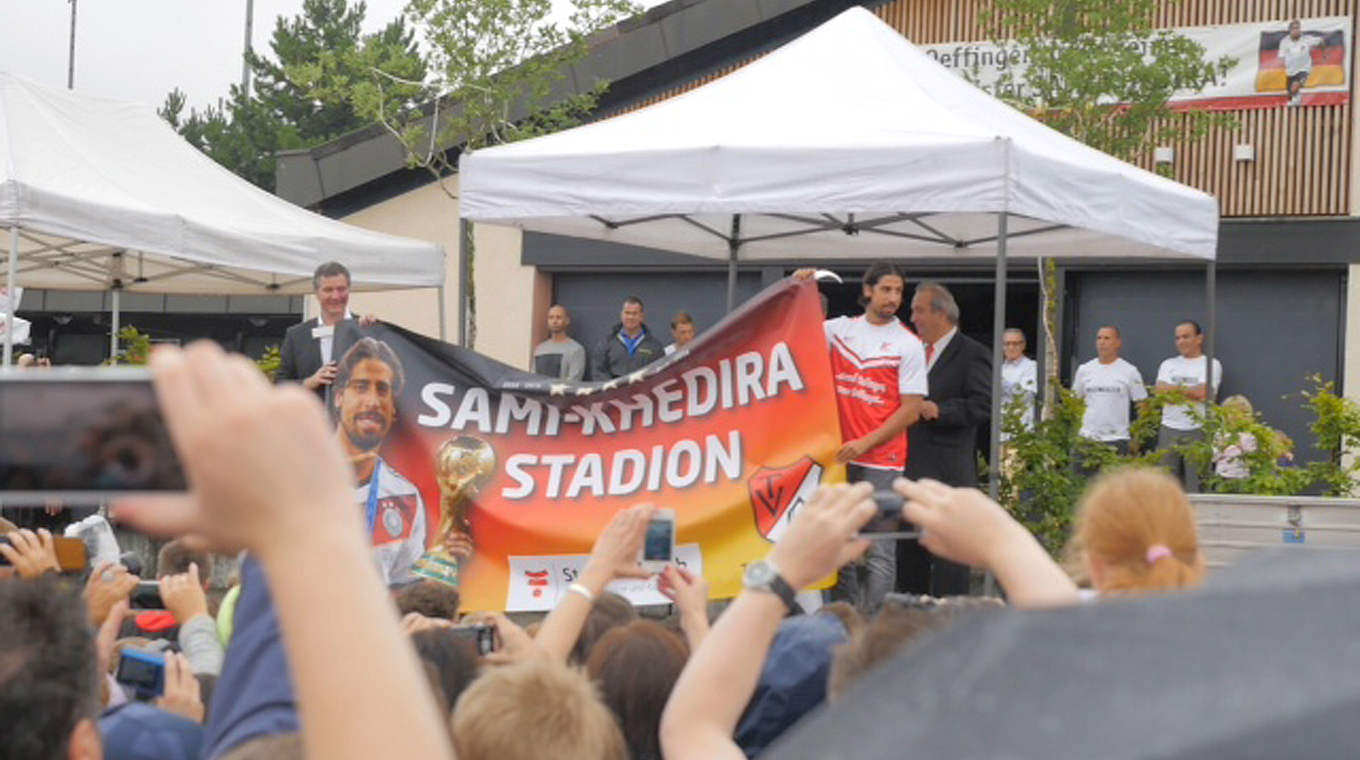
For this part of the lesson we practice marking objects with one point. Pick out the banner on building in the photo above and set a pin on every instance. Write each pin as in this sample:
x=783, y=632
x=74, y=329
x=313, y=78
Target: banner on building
x=733, y=433
x=1258, y=80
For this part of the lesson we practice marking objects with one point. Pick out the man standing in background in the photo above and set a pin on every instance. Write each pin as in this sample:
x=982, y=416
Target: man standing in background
x=559, y=356
x=309, y=350
x=629, y=347
x=682, y=330
x=1019, y=376
x=1183, y=424
x=944, y=441
x=1108, y=385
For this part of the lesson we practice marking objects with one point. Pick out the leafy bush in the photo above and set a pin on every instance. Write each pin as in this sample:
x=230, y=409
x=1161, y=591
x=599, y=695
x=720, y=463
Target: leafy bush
x=1045, y=469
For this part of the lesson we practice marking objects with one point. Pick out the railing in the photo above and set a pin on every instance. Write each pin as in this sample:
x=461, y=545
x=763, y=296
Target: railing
x=1230, y=524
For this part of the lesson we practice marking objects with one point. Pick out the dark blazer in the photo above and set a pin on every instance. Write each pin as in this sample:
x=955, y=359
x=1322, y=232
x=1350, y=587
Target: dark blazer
x=961, y=385
x=300, y=354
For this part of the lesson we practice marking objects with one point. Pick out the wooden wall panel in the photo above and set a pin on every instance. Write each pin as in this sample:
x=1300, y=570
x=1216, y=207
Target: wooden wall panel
x=1303, y=155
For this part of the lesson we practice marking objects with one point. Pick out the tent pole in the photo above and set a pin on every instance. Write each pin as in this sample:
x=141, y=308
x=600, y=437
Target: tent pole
x=1211, y=296
x=11, y=273
x=113, y=325
x=464, y=237
x=998, y=329
x=733, y=244
x=442, y=319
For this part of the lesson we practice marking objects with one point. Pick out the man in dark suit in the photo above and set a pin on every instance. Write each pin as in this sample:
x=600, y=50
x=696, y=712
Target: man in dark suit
x=311, y=347
x=942, y=444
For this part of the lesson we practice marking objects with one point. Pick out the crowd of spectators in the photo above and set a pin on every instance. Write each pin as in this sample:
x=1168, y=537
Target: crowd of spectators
x=318, y=658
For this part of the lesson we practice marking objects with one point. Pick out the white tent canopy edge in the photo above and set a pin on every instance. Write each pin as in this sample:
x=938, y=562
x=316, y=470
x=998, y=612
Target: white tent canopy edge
x=100, y=194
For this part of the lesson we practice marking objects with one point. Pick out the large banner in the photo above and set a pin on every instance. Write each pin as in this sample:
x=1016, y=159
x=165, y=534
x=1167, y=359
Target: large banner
x=1257, y=81
x=733, y=433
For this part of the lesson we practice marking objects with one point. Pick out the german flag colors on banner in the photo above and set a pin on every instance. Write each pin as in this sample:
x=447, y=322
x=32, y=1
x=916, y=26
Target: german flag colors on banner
x=1256, y=79
x=733, y=433
x=1329, y=57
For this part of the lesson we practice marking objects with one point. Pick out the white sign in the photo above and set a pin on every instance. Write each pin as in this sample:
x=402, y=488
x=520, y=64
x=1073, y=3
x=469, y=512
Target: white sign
x=1258, y=80
x=537, y=583
x=6, y=300
x=22, y=329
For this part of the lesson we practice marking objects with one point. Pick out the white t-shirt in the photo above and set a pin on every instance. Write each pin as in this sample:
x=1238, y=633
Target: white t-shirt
x=1108, y=389
x=1020, y=378
x=1179, y=370
x=873, y=367
x=1297, y=54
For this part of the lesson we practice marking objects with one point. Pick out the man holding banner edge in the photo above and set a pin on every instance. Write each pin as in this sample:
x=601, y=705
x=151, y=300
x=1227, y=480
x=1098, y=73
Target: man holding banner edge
x=879, y=369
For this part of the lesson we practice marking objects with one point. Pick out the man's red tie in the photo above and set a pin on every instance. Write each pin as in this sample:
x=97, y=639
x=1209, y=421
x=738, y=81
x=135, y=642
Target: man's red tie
x=930, y=351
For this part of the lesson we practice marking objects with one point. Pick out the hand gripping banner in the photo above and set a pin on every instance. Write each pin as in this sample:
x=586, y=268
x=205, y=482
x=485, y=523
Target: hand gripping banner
x=734, y=434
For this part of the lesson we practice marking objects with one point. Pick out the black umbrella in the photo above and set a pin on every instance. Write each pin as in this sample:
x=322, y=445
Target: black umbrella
x=1264, y=661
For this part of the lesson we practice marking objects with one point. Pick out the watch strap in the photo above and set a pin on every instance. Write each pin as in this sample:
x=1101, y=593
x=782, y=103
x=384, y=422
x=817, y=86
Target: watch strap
x=784, y=591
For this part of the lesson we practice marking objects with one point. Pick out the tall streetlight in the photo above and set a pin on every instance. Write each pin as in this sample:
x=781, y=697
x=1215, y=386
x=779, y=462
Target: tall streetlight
x=245, y=57
x=71, y=59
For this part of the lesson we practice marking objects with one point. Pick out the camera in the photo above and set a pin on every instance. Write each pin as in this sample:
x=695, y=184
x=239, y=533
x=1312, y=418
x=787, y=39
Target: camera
x=143, y=671
x=483, y=636
x=888, y=522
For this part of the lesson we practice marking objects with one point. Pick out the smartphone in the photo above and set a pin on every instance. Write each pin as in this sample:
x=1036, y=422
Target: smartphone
x=143, y=671
x=484, y=636
x=82, y=434
x=658, y=545
x=146, y=596
x=888, y=522
x=71, y=554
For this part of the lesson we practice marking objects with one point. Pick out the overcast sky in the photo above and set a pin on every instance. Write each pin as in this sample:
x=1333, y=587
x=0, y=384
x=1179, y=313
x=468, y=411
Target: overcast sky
x=141, y=49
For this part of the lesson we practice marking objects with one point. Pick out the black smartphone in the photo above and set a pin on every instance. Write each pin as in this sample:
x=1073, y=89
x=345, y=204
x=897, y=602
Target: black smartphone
x=483, y=636
x=71, y=553
x=888, y=522
x=146, y=596
x=143, y=671
x=81, y=434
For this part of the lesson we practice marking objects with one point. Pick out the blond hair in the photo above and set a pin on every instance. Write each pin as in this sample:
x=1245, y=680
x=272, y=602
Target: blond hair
x=1137, y=524
x=533, y=710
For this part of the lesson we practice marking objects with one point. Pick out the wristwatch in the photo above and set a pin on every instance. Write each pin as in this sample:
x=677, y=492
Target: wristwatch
x=764, y=576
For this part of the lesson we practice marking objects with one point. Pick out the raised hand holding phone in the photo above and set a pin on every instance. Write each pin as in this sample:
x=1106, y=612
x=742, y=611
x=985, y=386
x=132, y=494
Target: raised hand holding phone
x=658, y=544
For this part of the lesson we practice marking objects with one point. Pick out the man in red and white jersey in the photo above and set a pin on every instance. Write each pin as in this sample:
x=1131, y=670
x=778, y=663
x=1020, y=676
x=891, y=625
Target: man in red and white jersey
x=879, y=367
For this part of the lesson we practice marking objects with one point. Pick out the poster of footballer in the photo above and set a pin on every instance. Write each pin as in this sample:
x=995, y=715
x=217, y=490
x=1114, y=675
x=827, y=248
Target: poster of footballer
x=498, y=481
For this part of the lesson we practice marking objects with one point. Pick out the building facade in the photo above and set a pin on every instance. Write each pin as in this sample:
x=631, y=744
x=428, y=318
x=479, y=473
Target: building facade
x=1288, y=271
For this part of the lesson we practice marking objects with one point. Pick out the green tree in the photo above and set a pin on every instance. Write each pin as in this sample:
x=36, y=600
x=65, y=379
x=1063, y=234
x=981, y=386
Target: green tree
x=1100, y=72
x=496, y=70
x=244, y=132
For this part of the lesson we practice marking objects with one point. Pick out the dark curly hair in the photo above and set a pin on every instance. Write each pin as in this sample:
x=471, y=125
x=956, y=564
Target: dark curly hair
x=48, y=679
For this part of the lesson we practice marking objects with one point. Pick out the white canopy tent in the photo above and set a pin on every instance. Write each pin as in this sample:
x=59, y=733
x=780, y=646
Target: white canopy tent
x=848, y=142
x=103, y=195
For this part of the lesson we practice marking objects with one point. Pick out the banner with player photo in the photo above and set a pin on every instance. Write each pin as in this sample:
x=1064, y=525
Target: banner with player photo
x=733, y=433
x=1268, y=58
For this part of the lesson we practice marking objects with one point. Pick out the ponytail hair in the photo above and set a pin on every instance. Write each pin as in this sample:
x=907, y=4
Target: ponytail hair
x=1139, y=525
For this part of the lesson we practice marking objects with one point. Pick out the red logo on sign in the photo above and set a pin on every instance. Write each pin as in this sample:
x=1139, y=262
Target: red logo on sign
x=537, y=580
x=773, y=494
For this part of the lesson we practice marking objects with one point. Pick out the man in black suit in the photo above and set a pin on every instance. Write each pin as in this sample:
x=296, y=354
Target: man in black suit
x=942, y=444
x=311, y=347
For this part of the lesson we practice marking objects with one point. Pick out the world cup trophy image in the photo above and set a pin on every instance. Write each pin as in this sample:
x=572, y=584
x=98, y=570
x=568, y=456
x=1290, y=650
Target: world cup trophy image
x=461, y=465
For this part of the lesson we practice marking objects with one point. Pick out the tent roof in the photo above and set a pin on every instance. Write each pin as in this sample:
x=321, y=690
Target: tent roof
x=847, y=142
x=86, y=179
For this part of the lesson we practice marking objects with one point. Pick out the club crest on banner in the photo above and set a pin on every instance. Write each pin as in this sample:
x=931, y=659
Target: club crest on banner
x=778, y=492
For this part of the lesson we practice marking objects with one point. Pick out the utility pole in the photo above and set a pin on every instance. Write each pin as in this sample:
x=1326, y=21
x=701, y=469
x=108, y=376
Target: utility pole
x=71, y=59
x=245, y=57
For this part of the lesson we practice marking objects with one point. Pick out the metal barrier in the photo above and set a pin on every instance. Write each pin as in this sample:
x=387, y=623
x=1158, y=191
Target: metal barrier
x=1230, y=524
